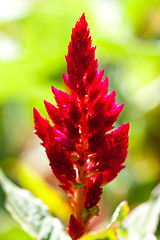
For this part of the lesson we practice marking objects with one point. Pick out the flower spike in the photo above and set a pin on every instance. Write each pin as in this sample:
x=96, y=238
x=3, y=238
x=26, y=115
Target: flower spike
x=84, y=151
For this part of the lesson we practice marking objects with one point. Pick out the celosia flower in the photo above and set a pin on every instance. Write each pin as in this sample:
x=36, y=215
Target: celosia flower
x=83, y=152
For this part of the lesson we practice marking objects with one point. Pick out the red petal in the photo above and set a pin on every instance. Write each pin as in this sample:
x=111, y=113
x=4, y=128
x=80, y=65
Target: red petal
x=59, y=161
x=55, y=115
x=93, y=191
x=80, y=59
x=114, y=153
x=110, y=174
x=99, y=88
x=75, y=229
x=72, y=131
x=41, y=125
x=62, y=98
x=74, y=112
x=97, y=140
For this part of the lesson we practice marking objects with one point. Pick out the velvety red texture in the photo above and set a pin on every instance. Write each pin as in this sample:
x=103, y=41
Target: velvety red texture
x=81, y=145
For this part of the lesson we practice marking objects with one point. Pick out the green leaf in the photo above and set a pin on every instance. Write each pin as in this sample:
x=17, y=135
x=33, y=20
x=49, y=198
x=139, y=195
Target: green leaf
x=9, y=229
x=15, y=233
x=31, y=213
x=119, y=215
x=109, y=234
x=142, y=222
x=29, y=179
x=88, y=213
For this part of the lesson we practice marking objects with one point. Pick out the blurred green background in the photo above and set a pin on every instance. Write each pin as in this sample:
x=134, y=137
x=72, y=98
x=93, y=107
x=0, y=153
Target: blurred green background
x=34, y=36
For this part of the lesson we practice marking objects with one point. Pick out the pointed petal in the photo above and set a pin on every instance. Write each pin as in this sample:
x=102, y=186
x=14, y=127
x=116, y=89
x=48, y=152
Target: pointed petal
x=75, y=229
x=81, y=63
x=59, y=160
x=112, y=156
x=55, y=115
x=41, y=125
x=93, y=191
x=62, y=98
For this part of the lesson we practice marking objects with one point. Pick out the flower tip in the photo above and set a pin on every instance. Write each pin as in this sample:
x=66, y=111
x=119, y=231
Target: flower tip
x=122, y=167
x=121, y=106
x=53, y=89
x=34, y=110
x=126, y=127
x=48, y=105
x=66, y=79
x=45, y=102
x=83, y=17
x=113, y=93
x=81, y=24
x=36, y=114
x=64, y=75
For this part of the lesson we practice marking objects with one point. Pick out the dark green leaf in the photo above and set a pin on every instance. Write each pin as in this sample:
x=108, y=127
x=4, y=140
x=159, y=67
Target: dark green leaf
x=88, y=213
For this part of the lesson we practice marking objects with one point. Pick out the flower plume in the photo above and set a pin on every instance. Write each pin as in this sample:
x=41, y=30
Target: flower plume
x=84, y=151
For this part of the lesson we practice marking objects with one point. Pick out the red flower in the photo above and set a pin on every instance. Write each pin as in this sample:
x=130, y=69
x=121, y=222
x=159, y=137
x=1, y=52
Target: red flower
x=82, y=154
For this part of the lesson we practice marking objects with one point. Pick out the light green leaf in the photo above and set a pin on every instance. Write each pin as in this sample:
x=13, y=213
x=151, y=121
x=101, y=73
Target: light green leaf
x=31, y=213
x=29, y=180
x=107, y=235
x=15, y=233
x=120, y=214
x=142, y=222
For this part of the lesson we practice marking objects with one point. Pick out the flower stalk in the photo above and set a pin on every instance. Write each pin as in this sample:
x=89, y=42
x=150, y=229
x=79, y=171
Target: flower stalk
x=84, y=151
